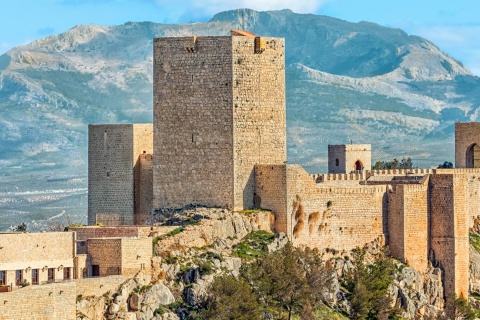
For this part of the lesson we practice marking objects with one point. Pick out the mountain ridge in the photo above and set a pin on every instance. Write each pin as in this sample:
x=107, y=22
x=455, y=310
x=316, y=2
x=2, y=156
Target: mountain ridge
x=346, y=81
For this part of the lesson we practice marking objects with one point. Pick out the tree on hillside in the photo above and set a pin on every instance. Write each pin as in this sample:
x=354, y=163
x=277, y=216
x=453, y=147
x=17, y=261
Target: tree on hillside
x=287, y=282
x=368, y=286
x=231, y=298
x=405, y=163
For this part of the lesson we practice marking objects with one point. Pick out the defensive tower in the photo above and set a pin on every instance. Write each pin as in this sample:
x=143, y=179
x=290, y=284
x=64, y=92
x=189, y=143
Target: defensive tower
x=219, y=109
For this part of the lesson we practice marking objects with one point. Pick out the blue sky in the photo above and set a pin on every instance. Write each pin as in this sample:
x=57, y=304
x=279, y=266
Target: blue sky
x=452, y=25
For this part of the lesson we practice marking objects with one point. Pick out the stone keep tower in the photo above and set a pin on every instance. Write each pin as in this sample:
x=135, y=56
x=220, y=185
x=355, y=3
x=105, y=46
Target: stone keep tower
x=119, y=173
x=467, y=145
x=345, y=158
x=219, y=109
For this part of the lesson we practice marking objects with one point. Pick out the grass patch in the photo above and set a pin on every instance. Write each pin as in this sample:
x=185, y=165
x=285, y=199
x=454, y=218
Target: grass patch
x=475, y=240
x=475, y=295
x=254, y=244
x=325, y=312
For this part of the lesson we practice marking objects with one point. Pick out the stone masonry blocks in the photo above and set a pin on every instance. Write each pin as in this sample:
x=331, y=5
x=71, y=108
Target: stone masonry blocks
x=343, y=158
x=219, y=109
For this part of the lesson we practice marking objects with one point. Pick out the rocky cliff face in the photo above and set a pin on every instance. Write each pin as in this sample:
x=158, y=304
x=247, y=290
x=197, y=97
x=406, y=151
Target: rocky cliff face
x=364, y=82
x=209, y=243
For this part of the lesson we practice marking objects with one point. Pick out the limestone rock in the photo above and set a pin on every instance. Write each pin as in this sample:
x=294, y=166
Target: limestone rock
x=160, y=294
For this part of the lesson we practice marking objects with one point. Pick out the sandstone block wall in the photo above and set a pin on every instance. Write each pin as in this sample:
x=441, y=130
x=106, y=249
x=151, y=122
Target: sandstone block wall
x=99, y=286
x=339, y=218
x=27, y=251
x=120, y=256
x=467, y=134
x=449, y=230
x=54, y=301
x=346, y=155
x=219, y=108
x=143, y=186
x=271, y=192
x=136, y=255
x=106, y=254
x=408, y=224
x=259, y=111
x=112, y=154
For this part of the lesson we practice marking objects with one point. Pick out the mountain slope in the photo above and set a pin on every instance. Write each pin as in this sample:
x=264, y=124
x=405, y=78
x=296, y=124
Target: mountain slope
x=345, y=81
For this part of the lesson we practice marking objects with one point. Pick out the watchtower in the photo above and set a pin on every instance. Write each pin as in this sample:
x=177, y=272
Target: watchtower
x=119, y=175
x=467, y=145
x=346, y=158
x=219, y=109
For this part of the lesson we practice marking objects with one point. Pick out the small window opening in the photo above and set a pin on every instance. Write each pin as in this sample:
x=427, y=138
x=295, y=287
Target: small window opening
x=337, y=163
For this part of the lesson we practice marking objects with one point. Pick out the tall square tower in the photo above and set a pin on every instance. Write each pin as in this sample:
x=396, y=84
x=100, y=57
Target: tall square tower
x=117, y=167
x=219, y=109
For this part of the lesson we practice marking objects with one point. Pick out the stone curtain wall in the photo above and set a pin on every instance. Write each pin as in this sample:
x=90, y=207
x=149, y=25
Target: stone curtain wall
x=338, y=218
x=408, y=224
x=99, y=286
x=136, y=255
x=449, y=230
x=112, y=152
x=26, y=251
x=466, y=134
x=193, y=124
x=259, y=111
x=54, y=301
x=271, y=192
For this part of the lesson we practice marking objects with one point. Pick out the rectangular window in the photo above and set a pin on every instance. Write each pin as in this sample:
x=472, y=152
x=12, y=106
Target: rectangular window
x=18, y=277
x=66, y=274
x=51, y=274
x=34, y=276
x=3, y=277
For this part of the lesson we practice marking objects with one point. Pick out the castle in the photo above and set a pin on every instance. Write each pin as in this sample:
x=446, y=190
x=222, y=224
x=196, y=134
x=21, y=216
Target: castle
x=219, y=139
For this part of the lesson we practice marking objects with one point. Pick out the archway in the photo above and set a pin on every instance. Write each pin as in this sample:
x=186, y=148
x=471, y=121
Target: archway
x=473, y=156
x=358, y=165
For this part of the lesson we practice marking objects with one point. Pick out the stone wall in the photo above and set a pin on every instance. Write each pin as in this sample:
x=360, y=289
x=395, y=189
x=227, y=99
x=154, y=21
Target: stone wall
x=337, y=218
x=112, y=154
x=119, y=256
x=259, y=111
x=342, y=157
x=87, y=232
x=54, y=301
x=219, y=108
x=143, y=186
x=193, y=125
x=37, y=251
x=271, y=192
x=99, y=286
x=408, y=224
x=466, y=135
x=136, y=255
x=449, y=230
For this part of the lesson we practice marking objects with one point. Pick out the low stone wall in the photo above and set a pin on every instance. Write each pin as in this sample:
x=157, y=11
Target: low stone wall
x=98, y=286
x=55, y=301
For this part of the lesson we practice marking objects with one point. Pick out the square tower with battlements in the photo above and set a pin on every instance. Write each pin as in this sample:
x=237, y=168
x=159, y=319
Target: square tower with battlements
x=347, y=158
x=219, y=109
